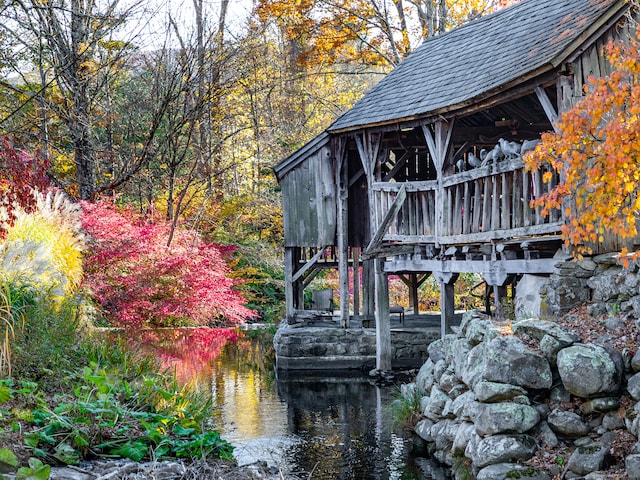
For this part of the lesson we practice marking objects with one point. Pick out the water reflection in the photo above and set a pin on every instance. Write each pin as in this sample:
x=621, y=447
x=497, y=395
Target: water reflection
x=318, y=427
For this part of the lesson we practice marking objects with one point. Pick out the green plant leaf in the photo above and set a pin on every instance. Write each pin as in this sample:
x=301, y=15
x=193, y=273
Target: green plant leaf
x=5, y=393
x=8, y=457
x=136, y=450
x=31, y=439
x=8, y=461
x=67, y=454
x=182, y=431
x=35, y=471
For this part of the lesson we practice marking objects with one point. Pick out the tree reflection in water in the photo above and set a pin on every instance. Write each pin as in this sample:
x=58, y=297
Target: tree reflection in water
x=319, y=426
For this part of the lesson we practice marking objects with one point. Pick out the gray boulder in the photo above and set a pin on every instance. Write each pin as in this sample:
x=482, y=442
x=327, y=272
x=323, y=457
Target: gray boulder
x=425, y=377
x=545, y=435
x=587, y=459
x=540, y=328
x=633, y=386
x=490, y=392
x=463, y=436
x=600, y=405
x=635, y=361
x=461, y=405
x=506, y=359
x=612, y=421
x=494, y=418
x=423, y=429
x=589, y=371
x=632, y=464
x=435, y=406
x=567, y=423
x=505, y=471
x=503, y=449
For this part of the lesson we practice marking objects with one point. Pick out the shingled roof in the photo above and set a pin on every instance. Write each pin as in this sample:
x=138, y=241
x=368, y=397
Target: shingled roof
x=472, y=61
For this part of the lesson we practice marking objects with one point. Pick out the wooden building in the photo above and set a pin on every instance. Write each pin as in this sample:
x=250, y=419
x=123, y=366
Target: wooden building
x=424, y=176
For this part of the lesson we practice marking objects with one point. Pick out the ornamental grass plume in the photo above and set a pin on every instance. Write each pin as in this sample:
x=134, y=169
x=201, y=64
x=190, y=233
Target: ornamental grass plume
x=40, y=261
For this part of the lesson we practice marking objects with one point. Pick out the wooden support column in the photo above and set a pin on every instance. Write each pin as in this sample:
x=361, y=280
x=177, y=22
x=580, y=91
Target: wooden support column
x=447, y=282
x=356, y=281
x=368, y=145
x=368, y=288
x=438, y=143
x=383, y=319
x=288, y=284
x=341, y=175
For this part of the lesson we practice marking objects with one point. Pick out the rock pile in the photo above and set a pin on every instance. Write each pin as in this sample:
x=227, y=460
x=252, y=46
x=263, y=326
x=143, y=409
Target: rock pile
x=492, y=396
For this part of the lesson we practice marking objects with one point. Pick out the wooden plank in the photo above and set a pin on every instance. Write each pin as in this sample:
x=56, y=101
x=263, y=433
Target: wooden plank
x=505, y=214
x=447, y=213
x=466, y=208
x=389, y=217
x=480, y=172
x=408, y=186
x=594, y=62
x=486, y=205
x=578, y=80
x=537, y=192
x=457, y=210
x=517, y=200
x=495, y=203
x=477, y=205
x=488, y=268
x=526, y=198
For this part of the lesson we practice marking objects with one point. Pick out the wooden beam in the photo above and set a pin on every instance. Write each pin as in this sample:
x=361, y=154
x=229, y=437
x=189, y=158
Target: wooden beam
x=308, y=265
x=386, y=222
x=396, y=168
x=487, y=268
x=548, y=107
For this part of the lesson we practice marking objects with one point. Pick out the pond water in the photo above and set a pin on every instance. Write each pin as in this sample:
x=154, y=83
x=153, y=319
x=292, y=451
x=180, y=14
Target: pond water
x=317, y=426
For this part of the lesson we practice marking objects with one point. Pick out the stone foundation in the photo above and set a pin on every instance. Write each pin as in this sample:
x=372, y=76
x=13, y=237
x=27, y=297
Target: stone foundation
x=334, y=348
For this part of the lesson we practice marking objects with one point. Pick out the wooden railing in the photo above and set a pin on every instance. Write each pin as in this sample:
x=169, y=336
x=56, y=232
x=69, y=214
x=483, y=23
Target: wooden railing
x=485, y=203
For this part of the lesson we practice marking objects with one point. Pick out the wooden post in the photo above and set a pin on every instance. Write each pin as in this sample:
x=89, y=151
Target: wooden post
x=289, y=295
x=356, y=281
x=383, y=319
x=342, y=233
x=413, y=293
x=438, y=146
x=447, y=282
x=368, y=288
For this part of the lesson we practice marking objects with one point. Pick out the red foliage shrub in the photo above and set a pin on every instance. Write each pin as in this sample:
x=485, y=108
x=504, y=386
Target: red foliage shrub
x=20, y=174
x=139, y=281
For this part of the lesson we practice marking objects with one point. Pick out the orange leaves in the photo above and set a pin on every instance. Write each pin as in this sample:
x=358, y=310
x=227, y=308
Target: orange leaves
x=598, y=153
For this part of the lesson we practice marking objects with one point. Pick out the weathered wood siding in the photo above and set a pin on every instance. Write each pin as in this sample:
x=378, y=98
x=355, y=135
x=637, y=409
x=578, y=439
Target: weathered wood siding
x=309, y=202
x=593, y=62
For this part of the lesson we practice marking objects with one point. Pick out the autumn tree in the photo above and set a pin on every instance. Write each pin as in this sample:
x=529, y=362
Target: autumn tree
x=70, y=44
x=374, y=32
x=596, y=153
